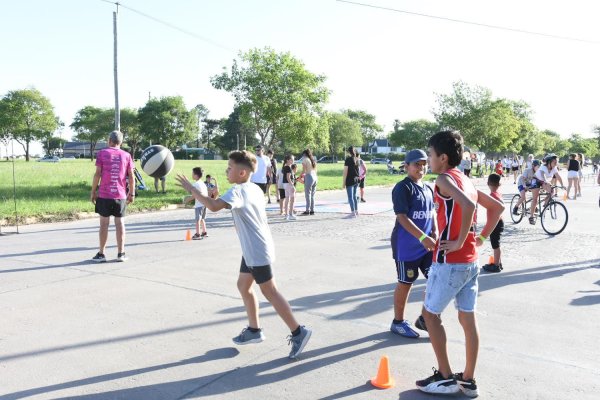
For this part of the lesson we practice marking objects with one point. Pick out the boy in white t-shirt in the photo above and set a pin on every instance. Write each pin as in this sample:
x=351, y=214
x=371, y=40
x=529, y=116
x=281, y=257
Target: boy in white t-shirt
x=200, y=210
x=247, y=205
x=543, y=177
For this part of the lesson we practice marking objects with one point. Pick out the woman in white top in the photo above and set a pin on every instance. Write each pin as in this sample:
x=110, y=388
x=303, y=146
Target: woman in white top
x=309, y=170
x=515, y=168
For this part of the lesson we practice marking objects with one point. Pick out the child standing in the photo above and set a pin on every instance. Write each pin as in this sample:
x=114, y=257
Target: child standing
x=413, y=238
x=281, y=189
x=246, y=202
x=289, y=179
x=454, y=271
x=213, y=187
x=199, y=209
x=494, y=185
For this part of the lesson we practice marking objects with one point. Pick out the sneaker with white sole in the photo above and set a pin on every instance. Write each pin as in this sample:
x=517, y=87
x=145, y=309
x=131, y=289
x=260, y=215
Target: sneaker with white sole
x=404, y=329
x=248, y=337
x=291, y=217
x=467, y=386
x=121, y=257
x=299, y=342
x=438, y=384
x=99, y=257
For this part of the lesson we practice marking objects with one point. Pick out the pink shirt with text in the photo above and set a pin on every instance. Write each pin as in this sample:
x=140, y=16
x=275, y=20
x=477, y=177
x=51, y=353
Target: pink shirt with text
x=116, y=165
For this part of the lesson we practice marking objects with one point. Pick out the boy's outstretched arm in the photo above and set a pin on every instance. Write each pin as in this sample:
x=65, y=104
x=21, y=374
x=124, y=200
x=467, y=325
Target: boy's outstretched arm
x=211, y=204
x=447, y=188
x=494, y=210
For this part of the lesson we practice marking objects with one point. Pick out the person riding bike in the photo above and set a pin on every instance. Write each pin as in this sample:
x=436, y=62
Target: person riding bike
x=543, y=177
x=527, y=182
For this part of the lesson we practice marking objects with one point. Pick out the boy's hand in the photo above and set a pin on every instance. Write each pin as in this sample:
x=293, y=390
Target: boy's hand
x=448, y=246
x=93, y=197
x=184, y=183
x=428, y=243
x=478, y=242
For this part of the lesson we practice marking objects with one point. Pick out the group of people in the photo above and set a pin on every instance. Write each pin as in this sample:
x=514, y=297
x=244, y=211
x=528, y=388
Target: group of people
x=434, y=233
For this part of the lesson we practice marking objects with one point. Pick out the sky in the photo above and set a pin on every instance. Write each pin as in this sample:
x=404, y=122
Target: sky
x=388, y=63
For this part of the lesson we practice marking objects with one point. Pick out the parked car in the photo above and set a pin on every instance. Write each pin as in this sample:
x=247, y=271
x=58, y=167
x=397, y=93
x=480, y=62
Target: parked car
x=327, y=160
x=379, y=161
x=49, y=159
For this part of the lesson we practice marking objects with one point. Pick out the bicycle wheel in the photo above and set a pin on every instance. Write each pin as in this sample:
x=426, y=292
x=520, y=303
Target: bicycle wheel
x=520, y=212
x=554, y=218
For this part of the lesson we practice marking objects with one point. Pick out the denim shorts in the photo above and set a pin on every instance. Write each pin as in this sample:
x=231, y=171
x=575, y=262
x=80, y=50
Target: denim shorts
x=452, y=281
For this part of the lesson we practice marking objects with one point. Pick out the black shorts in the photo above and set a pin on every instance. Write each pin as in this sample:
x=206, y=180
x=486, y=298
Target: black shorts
x=260, y=274
x=361, y=183
x=262, y=186
x=495, y=235
x=515, y=169
x=408, y=271
x=282, y=193
x=108, y=207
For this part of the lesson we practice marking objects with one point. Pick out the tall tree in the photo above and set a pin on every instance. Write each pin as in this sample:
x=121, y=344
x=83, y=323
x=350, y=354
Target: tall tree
x=27, y=116
x=166, y=121
x=201, y=113
x=343, y=132
x=92, y=124
x=413, y=134
x=130, y=126
x=368, y=125
x=54, y=145
x=277, y=93
x=586, y=146
x=211, y=128
x=237, y=132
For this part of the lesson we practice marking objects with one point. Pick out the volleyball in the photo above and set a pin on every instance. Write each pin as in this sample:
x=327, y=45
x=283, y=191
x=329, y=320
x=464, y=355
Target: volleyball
x=157, y=161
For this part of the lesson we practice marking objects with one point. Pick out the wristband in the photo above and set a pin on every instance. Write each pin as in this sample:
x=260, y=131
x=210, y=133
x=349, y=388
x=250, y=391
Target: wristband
x=482, y=238
x=423, y=236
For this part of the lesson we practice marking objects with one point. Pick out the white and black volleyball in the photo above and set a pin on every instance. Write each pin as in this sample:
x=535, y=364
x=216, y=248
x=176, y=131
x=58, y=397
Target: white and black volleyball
x=157, y=161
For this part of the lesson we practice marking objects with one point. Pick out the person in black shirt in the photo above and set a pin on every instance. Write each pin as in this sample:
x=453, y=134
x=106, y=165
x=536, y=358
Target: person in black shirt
x=573, y=174
x=351, y=179
x=288, y=185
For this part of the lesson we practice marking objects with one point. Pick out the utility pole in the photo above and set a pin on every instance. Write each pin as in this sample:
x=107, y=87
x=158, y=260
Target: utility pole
x=116, y=78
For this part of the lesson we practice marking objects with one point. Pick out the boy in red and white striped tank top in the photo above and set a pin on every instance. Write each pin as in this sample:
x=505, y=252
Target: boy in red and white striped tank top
x=454, y=272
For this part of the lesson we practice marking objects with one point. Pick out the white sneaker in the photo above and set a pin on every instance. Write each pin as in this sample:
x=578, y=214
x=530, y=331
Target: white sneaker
x=291, y=217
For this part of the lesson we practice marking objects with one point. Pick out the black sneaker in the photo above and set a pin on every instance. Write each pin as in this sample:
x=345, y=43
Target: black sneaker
x=363, y=200
x=312, y=213
x=420, y=323
x=492, y=267
x=516, y=211
x=306, y=213
x=437, y=384
x=532, y=220
x=204, y=234
x=197, y=237
x=121, y=257
x=99, y=257
x=467, y=386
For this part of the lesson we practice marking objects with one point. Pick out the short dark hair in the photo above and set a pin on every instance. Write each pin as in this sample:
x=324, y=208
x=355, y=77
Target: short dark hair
x=198, y=172
x=494, y=180
x=449, y=143
x=243, y=158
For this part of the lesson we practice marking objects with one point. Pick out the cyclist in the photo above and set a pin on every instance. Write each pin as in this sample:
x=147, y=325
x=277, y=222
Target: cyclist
x=543, y=177
x=527, y=182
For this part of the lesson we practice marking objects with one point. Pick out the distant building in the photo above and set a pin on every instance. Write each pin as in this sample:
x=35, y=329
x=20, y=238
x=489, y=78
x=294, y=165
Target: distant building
x=383, y=146
x=81, y=149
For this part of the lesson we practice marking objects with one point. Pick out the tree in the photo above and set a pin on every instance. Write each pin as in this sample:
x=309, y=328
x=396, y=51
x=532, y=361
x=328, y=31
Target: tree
x=368, y=126
x=54, y=145
x=201, y=113
x=277, y=93
x=130, y=126
x=27, y=116
x=586, y=146
x=343, y=132
x=491, y=125
x=211, y=128
x=238, y=133
x=413, y=134
x=92, y=124
x=166, y=121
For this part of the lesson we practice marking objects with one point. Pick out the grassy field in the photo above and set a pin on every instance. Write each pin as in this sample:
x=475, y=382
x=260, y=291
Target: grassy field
x=60, y=191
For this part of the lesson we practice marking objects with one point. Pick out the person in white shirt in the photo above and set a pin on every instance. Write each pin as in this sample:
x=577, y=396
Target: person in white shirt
x=263, y=169
x=199, y=209
x=544, y=175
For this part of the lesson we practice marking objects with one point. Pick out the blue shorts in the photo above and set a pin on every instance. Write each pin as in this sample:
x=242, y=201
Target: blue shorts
x=408, y=271
x=452, y=281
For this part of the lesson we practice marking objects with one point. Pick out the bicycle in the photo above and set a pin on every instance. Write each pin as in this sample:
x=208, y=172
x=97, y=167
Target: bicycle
x=553, y=216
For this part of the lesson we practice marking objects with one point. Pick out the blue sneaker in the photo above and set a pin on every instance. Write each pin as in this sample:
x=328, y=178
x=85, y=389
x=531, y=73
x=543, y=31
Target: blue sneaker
x=404, y=329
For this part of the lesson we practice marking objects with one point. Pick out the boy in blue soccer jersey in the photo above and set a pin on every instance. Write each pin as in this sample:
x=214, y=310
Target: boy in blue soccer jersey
x=413, y=238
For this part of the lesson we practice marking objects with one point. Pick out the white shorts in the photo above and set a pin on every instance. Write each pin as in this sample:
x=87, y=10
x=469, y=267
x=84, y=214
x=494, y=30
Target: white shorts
x=572, y=174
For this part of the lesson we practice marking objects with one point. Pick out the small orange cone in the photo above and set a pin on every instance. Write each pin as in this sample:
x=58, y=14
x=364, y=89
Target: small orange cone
x=188, y=235
x=565, y=196
x=383, y=380
x=491, y=260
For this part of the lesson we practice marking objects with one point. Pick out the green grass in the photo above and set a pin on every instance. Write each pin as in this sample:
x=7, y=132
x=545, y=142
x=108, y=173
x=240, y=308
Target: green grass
x=60, y=191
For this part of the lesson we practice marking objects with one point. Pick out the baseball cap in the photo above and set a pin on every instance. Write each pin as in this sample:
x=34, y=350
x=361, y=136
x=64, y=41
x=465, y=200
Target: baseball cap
x=415, y=155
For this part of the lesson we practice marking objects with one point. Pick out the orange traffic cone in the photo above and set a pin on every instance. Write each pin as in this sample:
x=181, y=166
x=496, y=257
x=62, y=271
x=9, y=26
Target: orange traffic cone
x=565, y=196
x=383, y=380
x=188, y=235
x=491, y=260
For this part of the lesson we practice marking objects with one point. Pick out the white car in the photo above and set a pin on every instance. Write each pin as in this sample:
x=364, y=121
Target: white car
x=49, y=159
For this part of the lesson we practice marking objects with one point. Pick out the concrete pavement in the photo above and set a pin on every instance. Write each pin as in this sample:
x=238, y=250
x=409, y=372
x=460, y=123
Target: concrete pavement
x=160, y=325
